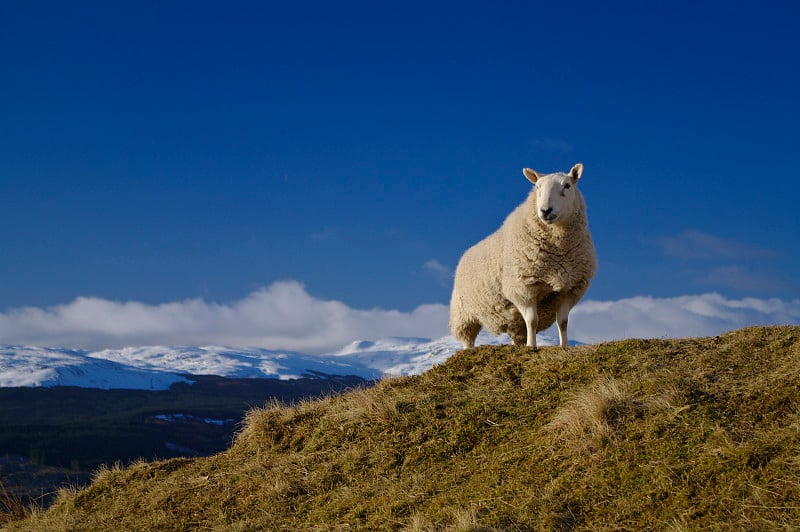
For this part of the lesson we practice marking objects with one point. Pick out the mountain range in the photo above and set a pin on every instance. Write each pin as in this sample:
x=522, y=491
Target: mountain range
x=159, y=367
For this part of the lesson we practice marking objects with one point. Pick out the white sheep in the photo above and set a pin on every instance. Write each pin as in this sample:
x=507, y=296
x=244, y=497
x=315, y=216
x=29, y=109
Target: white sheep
x=531, y=271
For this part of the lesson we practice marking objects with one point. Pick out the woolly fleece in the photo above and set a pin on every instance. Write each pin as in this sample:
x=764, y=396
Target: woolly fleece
x=528, y=265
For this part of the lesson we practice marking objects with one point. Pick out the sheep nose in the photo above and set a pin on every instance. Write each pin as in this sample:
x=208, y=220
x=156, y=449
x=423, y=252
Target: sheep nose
x=546, y=212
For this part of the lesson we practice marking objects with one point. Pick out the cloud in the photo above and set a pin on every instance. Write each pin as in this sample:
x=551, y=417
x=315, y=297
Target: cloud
x=676, y=317
x=326, y=233
x=718, y=262
x=741, y=278
x=696, y=245
x=285, y=316
x=439, y=271
x=551, y=145
x=281, y=316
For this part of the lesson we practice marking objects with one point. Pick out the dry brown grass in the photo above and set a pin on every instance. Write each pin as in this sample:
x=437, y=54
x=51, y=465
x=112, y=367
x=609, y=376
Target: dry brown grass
x=587, y=420
x=13, y=505
x=592, y=409
x=634, y=435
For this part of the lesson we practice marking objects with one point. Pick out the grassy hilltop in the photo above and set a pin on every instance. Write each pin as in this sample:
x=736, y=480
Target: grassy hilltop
x=632, y=435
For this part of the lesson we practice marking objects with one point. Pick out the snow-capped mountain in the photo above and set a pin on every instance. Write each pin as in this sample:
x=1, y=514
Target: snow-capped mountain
x=234, y=362
x=158, y=367
x=46, y=366
x=411, y=356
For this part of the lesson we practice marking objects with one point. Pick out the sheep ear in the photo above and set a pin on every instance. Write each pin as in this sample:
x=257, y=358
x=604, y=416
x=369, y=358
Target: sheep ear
x=576, y=172
x=531, y=175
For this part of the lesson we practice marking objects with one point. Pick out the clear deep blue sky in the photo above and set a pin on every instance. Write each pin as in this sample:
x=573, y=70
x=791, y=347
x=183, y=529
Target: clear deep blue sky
x=158, y=151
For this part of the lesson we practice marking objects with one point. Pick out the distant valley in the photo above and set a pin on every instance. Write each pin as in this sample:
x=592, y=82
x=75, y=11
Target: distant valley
x=56, y=436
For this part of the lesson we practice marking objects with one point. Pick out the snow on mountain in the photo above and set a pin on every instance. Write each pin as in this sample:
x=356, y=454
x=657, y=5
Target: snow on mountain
x=45, y=366
x=158, y=367
x=232, y=362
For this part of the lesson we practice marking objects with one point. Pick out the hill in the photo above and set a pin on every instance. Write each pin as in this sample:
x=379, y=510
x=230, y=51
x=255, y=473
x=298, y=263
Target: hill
x=56, y=436
x=637, y=434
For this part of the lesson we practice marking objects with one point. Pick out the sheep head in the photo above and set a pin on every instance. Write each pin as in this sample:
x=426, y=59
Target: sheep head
x=556, y=194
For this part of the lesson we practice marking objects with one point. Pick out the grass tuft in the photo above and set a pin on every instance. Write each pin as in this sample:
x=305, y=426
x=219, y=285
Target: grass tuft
x=592, y=411
x=14, y=505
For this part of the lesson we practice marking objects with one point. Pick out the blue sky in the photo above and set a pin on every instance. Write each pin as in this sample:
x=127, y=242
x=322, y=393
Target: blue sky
x=157, y=152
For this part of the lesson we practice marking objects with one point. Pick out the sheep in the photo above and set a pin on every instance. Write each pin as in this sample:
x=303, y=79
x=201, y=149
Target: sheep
x=530, y=272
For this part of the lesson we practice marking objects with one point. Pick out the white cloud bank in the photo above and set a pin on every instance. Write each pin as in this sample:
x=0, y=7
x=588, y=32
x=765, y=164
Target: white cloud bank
x=676, y=317
x=285, y=316
x=280, y=316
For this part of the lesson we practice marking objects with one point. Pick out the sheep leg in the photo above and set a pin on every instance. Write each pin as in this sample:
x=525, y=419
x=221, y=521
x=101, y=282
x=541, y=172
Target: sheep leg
x=518, y=334
x=467, y=333
x=516, y=328
x=464, y=326
x=531, y=322
x=562, y=319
